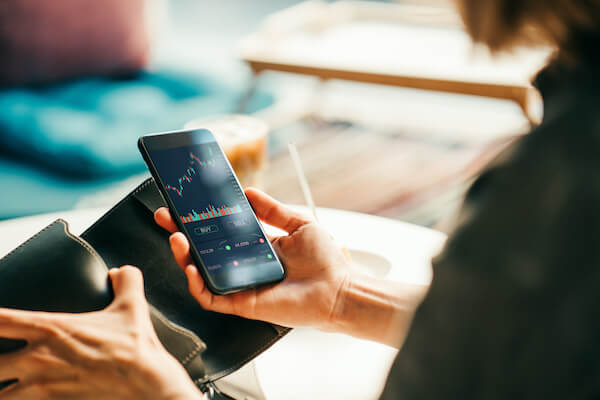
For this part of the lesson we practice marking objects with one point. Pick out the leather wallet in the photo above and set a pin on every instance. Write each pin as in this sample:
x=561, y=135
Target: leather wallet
x=57, y=271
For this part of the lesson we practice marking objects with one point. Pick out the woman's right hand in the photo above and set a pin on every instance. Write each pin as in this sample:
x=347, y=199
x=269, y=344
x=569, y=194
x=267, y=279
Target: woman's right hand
x=317, y=271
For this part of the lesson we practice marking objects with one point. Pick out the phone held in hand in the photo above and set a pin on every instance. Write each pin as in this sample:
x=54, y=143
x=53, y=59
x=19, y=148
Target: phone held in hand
x=205, y=198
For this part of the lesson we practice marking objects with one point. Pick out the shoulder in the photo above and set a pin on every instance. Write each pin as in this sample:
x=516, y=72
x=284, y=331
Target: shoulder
x=567, y=142
x=511, y=304
x=544, y=167
x=534, y=201
x=553, y=154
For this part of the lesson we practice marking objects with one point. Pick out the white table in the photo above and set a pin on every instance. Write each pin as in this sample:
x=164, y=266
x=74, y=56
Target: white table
x=308, y=364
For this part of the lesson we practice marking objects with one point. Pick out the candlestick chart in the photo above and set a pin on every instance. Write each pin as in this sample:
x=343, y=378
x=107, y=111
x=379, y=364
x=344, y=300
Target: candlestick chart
x=213, y=211
x=192, y=171
x=191, y=187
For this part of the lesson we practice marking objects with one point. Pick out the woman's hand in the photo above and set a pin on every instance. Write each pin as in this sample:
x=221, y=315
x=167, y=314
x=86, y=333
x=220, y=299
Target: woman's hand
x=109, y=354
x=317, y=271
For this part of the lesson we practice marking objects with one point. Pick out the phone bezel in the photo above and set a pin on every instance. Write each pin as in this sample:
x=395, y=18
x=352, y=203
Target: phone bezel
x=172, y=139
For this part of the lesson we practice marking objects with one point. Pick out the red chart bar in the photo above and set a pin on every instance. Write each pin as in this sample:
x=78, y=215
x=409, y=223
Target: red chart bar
x=210, y=212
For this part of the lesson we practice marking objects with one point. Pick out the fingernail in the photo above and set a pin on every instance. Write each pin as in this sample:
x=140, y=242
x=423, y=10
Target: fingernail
x=192, y=268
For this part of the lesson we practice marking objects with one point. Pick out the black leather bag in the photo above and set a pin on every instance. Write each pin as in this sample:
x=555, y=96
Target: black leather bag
x=59, y=272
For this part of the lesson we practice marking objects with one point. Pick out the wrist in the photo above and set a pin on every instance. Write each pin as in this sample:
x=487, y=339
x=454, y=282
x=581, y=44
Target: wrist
x=171, y=381
x=375, y=309
x=352, y=303
x=336, y=321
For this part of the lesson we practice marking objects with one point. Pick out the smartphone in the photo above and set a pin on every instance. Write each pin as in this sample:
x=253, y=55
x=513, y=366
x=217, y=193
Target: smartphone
x=205, y=198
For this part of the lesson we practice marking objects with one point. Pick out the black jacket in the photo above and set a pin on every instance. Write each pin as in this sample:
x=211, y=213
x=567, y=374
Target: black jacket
x=514, y=308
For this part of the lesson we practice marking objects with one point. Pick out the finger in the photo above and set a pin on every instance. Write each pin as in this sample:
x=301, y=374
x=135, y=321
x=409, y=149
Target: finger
x=5, y=385
x=274, y=213
x=196, y=285
x=19, y=391
x=202, y=294
x=10, y=365
x=128, y=285
x=20, y=324
x=163, y=218
x=11, y=390
x=181, y=249
x=42, y=389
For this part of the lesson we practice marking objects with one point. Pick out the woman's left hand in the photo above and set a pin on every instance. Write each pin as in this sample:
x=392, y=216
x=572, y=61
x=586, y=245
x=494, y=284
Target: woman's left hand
x=108, y=354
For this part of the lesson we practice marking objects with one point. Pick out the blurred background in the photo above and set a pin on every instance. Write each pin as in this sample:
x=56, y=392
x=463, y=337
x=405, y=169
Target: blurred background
x=392, y=109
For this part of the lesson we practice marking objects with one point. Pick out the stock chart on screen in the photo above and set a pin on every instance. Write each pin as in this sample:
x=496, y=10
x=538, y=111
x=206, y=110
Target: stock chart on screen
x=193, y=170
x=204, y=176
x=212, y=207
x=192, y=175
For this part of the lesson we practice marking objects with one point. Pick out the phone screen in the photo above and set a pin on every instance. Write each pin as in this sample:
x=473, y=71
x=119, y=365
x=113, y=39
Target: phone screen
x=215, y=214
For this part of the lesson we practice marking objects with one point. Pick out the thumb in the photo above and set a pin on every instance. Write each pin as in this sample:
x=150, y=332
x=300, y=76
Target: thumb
x=274, y=213
x=128, y=284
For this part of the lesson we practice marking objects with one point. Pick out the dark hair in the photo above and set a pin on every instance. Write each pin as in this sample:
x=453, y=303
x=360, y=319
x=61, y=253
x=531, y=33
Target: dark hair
x=502, y=24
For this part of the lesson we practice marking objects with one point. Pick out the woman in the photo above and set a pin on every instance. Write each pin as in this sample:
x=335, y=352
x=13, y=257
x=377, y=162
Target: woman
x=511, y=311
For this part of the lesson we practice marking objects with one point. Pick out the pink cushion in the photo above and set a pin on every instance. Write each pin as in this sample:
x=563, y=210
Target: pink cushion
x=42, y=41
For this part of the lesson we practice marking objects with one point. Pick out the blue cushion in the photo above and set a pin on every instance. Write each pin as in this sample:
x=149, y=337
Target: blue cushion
x=90, y=127
x=64, y=141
